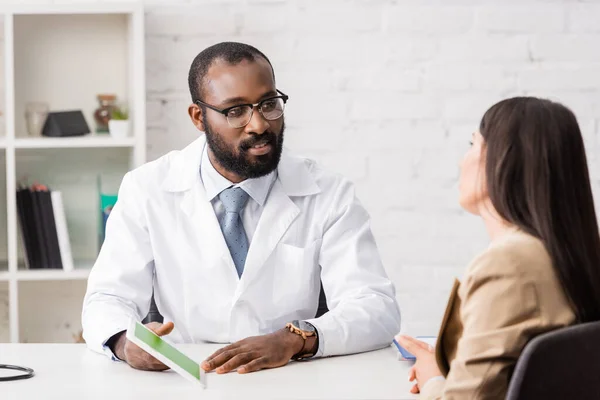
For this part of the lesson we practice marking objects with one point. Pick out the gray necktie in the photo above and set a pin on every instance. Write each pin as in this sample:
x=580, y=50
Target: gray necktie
x=234, y=199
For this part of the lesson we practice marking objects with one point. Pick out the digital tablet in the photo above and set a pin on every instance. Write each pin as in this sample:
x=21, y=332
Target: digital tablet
x=166, y=353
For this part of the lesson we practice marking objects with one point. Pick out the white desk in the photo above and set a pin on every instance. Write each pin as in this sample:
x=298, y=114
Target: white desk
x=70, y=371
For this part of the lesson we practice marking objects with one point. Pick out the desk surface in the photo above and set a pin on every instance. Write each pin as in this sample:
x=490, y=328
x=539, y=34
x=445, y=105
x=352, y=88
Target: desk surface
x=70, y=371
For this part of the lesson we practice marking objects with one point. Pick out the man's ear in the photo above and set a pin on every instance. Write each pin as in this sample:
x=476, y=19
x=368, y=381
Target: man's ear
x=195, y=113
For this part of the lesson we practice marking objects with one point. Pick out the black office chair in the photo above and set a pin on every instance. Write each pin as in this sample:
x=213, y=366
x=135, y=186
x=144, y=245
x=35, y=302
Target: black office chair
x=562, y=364
x=155, y=316
x=322, y=307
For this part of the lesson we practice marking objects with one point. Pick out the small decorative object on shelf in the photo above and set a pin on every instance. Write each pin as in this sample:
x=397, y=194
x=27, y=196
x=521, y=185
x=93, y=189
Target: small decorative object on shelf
x=118, y=125
x=103, y=113
x=65, y=123
x=35, y=117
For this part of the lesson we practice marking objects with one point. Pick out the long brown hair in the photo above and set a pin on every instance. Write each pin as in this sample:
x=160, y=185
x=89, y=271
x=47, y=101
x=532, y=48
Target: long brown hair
x=537, y=179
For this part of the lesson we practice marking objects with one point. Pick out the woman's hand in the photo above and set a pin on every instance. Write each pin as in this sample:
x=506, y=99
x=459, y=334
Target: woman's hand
x=425, y=367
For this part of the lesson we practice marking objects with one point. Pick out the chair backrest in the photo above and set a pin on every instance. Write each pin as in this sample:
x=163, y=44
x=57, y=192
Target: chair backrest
x=322, y=308
x=562, y=364
x=153, y=314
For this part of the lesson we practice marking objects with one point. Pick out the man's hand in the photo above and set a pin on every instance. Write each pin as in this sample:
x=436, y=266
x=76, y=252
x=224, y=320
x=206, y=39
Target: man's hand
x=256, y=353
x=133, y=355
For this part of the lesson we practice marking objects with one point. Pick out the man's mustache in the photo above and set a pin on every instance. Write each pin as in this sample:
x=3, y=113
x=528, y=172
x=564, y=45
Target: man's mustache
x=265, y=138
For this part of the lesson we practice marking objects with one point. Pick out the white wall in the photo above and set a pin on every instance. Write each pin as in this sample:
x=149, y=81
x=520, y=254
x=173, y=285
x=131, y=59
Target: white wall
x=388, y=92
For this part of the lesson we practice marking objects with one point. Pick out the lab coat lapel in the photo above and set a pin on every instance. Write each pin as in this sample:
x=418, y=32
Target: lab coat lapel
x=206, y=230
x=200, y=225
x=293, y=180
x=278, y=214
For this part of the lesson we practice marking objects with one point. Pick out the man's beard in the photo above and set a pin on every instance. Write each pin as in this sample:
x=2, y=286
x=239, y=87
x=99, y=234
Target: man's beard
x=238, y=160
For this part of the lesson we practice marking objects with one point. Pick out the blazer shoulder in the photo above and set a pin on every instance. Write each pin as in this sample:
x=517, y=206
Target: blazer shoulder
x=515, y=254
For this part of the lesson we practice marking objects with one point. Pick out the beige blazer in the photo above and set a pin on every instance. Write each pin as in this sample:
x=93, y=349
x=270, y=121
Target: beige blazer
x=510, y=293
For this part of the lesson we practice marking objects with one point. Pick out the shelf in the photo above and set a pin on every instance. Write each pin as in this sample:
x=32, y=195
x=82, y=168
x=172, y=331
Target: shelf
x=73, y=142
x=81, y=272
x=72, y=8
x=4, y=275
x=64, y=53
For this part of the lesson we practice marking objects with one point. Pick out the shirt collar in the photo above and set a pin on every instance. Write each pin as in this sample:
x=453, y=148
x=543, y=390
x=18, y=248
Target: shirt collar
x=215, y=183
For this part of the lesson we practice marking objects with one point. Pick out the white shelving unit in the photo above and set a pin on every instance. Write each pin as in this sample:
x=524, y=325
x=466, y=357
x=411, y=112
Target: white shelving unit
x=74, y=143
x=65, y=54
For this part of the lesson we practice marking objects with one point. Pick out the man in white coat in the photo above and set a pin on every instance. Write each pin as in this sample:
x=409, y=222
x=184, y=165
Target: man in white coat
x=234, y=238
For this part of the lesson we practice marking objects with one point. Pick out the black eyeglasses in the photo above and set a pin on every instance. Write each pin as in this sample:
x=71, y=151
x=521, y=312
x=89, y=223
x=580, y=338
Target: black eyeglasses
x=240, y=115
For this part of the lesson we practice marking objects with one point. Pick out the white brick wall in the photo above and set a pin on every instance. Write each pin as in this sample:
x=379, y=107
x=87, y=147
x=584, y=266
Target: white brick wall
x=388, y=93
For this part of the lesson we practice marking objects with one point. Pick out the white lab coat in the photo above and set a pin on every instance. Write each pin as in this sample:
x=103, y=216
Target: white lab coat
x=163, y=234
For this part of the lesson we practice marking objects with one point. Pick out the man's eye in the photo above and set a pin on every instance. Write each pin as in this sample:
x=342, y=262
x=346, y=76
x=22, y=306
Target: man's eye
x=235, y=112
x=269, y=105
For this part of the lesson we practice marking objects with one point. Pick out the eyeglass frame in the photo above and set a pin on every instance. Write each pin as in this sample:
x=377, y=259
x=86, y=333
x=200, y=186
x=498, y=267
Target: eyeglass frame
x=224, y=111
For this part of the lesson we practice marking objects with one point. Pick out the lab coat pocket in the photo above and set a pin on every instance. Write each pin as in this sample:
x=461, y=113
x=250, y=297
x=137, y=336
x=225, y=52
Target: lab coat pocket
x=297, y=274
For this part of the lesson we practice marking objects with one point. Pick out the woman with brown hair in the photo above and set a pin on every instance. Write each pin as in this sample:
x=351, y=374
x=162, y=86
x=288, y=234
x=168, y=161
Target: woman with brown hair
x=526, y=176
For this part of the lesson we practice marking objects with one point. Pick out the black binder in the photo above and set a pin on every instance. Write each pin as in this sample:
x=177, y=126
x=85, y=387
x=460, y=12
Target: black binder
x=38, y=227
x=40, y=231
x=54, y=260
x=28, y=229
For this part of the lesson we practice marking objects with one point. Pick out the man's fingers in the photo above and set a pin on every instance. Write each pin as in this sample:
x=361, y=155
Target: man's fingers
x=157, y=365
x=151, y=364
x=150, y=367
x=236, y=361
x=254, y=365
x=221, y=350
x=226, y=355
x=164, y=329
x=139, y=359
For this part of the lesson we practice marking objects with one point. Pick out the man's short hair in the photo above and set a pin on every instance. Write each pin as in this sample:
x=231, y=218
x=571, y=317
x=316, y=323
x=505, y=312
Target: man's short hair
x=230, y=52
